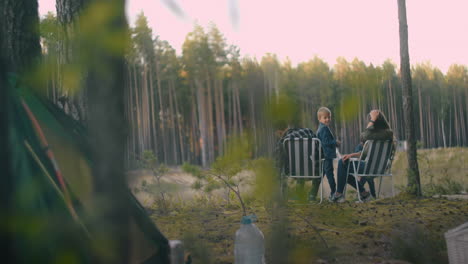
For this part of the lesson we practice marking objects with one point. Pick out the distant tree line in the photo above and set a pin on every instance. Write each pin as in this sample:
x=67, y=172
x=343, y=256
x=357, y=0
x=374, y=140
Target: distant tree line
x=184, y=108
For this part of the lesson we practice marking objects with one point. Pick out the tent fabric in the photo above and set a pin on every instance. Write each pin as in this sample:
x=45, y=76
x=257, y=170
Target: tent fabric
x=47, y=229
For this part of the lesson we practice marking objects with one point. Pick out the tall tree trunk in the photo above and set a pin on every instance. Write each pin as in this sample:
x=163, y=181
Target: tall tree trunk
x=138, y=111
x=223, y=116
x=7, y=239
x=19, y=40
x=421, y=124
x=239, y=113
x=132, y=114
x=144, y=107
x=209, y=112
x=443, y=133
x=414, y=182
x=179, y=126
x=161, y=112
x=253, y=121
x=107, y=128
x=234, y=126
x=153, y=112
x=463, y=130
x=201, y=101
x=68, y=12
x=195, y=141
x=175, y=159
x=218, y=112
x=19, y=49
x=456, y=119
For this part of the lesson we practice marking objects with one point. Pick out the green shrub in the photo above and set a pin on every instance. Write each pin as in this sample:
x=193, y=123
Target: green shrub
x=444, y=186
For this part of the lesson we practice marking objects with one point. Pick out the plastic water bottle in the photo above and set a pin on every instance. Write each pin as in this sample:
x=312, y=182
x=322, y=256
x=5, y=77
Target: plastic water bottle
x=249, y=243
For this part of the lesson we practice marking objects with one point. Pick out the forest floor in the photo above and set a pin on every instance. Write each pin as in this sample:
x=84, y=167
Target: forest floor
x=396, y=230
x=402, y=229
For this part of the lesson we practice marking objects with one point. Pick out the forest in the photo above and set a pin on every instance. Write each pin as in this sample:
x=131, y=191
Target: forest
x=183, y=107
x=113, y=145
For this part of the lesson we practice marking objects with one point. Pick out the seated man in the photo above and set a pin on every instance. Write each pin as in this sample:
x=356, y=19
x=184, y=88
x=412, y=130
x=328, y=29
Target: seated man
x=281, y=156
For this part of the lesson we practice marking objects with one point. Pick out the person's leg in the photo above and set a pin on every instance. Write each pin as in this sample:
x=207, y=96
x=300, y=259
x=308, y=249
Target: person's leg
x=328, y=171
x=370, y=181
x=352, y=180
x=314, y=188
x=341, y=175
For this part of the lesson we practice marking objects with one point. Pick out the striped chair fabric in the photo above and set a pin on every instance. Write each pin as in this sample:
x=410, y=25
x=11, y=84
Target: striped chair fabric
x=302, y=157
x=379, y=154
x=378, y=157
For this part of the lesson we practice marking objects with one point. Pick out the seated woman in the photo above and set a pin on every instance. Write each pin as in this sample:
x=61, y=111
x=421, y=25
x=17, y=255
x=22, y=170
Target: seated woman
x=377, y=129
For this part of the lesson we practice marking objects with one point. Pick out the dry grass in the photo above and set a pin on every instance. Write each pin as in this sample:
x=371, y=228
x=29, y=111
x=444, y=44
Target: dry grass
x=436, y=166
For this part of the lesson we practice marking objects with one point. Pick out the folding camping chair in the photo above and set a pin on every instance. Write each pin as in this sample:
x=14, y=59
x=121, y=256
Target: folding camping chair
x=301, y=160
x=375, y=161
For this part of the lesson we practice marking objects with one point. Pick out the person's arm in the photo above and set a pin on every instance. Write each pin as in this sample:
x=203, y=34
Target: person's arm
x=373, y=117
x=352, y=155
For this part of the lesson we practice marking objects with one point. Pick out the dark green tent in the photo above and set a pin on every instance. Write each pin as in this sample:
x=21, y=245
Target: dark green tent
x=51, y=207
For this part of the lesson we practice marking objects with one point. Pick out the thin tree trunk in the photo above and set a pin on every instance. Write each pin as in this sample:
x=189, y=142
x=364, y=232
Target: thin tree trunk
x=172, y=121
x=421, y=124
x=201, y=101
x=239, y=113
x=443, y=133
x=253, y=121
x=68, y=12
x=463, y=131
x=234, y=126
x=161, y=109
x=179, y=126
x=219, y=113
x=209, y=112
x=414, y=182
x=144, y=107
x=154, y=133
x=138, y=112
x=196, y=130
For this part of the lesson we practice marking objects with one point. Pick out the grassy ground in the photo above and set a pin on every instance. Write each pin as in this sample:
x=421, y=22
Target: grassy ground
x=400, y=228
x=437, y=166
x=394, y=230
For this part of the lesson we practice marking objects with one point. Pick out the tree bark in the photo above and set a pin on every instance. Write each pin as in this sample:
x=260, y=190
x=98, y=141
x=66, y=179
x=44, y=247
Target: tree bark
x=7, y=253
x=19, y=50
x=107, y=132
x=421, y=123
x=68, y=12
x=153, y=112
x=414, y=182
x=161, y=112
x=201, y=101
x=20, y=38
x=179, y=126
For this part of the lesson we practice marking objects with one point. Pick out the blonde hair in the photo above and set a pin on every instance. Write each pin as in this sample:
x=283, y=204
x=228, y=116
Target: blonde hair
x=323, y=110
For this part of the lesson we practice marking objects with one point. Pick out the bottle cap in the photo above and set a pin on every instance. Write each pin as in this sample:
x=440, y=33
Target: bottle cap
x=246, y=220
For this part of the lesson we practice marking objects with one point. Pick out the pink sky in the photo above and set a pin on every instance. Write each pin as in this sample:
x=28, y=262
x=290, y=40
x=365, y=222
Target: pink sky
x=301, y=29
